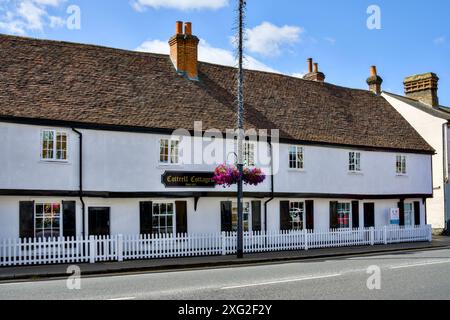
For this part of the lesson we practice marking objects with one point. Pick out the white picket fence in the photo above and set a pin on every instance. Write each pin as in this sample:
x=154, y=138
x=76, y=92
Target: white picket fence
x=19, y=252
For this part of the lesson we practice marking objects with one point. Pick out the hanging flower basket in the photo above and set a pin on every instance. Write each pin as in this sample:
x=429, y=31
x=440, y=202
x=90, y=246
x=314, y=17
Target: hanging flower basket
x=226, y=176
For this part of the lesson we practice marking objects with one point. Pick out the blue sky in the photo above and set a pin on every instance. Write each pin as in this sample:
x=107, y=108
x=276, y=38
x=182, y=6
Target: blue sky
x=414, y=35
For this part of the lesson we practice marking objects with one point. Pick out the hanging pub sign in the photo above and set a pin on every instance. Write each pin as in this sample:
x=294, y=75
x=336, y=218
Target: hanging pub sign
x=178, y=179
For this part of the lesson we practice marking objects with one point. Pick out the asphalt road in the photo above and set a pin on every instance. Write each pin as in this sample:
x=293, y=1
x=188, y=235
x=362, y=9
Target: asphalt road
x=417, y=275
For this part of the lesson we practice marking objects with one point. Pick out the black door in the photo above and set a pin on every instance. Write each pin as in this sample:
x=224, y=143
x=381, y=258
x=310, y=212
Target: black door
x=369, y=215
x=99, y=221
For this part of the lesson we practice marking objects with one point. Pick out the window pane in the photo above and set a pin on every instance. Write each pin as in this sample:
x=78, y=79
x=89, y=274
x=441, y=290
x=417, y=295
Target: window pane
x=164, y=151
x=174, y=151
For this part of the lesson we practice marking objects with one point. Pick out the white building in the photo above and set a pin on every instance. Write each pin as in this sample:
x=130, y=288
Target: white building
x=86, y=146
x=421, y=109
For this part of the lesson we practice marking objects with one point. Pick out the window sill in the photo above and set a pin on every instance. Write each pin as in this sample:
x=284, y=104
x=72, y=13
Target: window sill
x=67, y=162
x=170, y=166
x=356, y=173
x=297, y=170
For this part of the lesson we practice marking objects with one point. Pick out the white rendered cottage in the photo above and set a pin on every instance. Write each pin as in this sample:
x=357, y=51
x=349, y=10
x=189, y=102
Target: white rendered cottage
x=421, y=108
x=87, y=147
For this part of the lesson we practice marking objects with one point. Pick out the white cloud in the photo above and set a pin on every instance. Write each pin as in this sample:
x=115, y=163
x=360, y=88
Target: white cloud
x=21, y=16
x=330, y=40
x=140, y=5
x=207, y=53
x=440, y=40
x=268, y=39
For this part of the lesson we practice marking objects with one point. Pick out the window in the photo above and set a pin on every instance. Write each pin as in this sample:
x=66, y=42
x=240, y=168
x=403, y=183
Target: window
x=249, y=154
x=354, y=162
x=163, y=218
x=169, y=151
x=409, y=214
x=297, y=212
x=47, y=220
x=401, y=165
x=296, y=158
x=344, y=212
x=246, y=217
x=54, y=145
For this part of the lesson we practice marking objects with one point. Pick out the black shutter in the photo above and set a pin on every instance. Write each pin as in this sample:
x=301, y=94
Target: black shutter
x=355, y=214
x=146, y=217
x=285, y=216
x=182, y=223
x=26, y=219
x=69, y=219
x=417, y=213
x=309, y=215
x=401, y=206
x=226, y=216
x=334, y=223
x=256, y=216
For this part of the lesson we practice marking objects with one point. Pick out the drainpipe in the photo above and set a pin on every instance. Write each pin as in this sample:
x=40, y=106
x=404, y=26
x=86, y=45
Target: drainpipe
x=83, y=205
x=272, y=192
x=446, y=175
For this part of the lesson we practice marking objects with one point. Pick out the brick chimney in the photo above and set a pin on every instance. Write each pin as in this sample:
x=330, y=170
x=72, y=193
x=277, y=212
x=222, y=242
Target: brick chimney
x=313, y=72
x=184, y=50
x=374, y=81
x=423, y=87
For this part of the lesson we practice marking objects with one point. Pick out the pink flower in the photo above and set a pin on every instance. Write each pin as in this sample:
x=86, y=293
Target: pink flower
x=226, y=175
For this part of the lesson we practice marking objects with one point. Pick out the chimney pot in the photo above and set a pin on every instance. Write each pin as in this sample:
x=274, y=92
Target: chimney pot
x=179, y=27
x=188, y=28
x=373, y=71
x=310, y=65
x=316, y=67
x=374, y=81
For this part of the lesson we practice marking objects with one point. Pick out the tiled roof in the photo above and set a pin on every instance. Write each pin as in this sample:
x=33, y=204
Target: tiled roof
x=79, y=83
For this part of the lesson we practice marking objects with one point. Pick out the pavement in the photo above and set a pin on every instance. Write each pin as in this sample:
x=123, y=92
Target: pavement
x=160, y=265
x=411, y=275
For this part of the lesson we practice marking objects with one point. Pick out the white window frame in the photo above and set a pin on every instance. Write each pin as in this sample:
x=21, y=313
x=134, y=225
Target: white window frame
x=356, y=163
x=411, y=214
x=247, y=205
x=55, y=133
x=51, y=202
x=170, y=155
x=298, y=202
x=249, y=154
x=350, y=220
x=174, y=217
x=296, y=151
x=401, y=170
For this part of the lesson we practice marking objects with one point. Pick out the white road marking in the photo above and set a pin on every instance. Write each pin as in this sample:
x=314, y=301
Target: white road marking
x=282, y=281
x=122, y=299
x=419, y=265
